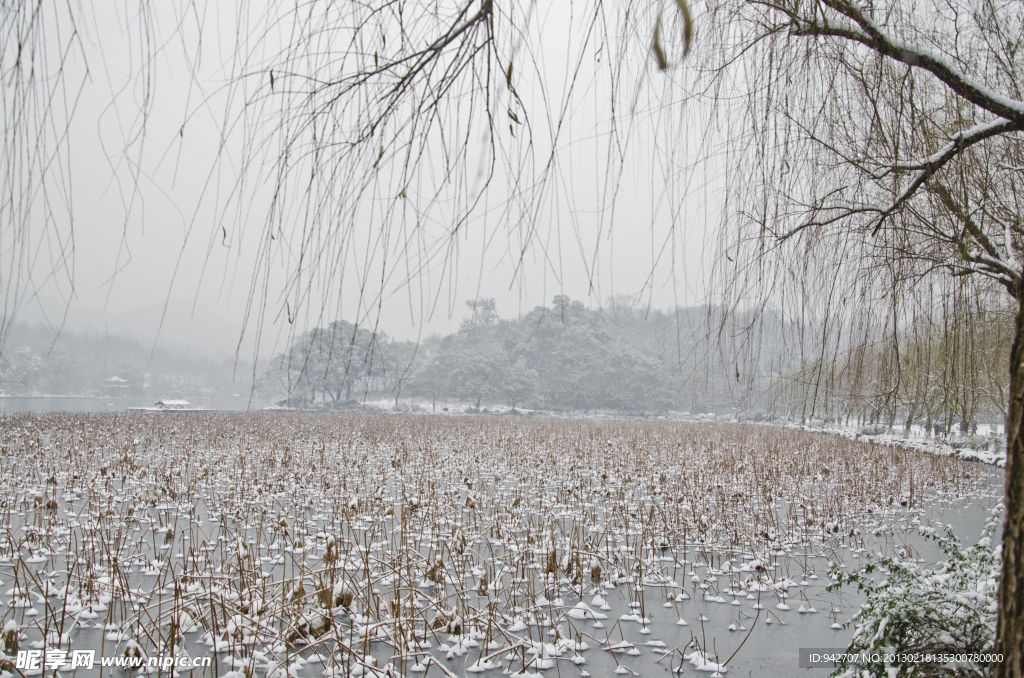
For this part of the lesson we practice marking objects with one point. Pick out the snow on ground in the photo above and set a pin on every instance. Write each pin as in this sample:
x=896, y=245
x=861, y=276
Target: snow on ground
x=987, y=446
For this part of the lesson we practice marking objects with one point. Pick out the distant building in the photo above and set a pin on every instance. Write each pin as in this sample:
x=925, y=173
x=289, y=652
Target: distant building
x=169, y=406
x=115, y=386
x=172, y=405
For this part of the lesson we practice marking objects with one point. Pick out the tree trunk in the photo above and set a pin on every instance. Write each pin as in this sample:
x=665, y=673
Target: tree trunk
x=1010, y=624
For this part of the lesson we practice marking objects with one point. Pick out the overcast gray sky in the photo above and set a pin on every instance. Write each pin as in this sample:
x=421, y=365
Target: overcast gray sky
x=148, y=234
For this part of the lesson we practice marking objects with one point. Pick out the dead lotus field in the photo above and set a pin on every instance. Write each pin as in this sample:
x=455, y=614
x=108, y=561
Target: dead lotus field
x=341, y=545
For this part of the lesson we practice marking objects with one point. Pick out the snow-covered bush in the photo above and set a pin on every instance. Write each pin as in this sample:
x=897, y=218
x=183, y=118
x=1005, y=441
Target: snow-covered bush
x=944, y=609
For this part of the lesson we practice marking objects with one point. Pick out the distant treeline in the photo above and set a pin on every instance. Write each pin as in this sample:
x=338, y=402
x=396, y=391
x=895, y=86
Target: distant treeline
x=623, y=357
x=946, y=367
x=36, y=362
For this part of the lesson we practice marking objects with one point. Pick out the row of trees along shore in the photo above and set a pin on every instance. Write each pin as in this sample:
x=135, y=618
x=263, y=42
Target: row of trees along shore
x=942, y=368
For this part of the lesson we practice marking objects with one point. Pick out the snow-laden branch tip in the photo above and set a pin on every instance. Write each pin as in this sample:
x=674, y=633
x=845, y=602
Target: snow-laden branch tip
x=958, y=142
x=927, y=167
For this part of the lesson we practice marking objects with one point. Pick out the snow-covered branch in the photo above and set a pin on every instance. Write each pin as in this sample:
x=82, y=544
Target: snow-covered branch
x=918, y=56
x=929, y=166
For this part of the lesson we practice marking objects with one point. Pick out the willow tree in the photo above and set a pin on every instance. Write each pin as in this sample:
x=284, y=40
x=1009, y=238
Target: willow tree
x=883, y=154
x=36, y=234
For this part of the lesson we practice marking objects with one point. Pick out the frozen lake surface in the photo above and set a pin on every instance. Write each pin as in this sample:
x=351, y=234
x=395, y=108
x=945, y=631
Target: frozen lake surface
x=334, y=545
